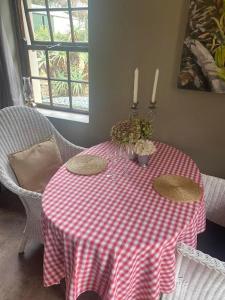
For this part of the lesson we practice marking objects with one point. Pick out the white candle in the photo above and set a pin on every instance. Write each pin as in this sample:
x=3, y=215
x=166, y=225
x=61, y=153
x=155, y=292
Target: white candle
x=155, y=86
x=136, y=76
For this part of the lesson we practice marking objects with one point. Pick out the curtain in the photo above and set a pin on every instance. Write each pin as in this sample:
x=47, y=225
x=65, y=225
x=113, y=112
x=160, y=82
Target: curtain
x=10, y=86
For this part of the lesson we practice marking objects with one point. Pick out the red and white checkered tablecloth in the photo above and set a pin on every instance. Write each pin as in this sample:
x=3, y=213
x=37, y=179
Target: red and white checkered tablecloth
x=117, y=236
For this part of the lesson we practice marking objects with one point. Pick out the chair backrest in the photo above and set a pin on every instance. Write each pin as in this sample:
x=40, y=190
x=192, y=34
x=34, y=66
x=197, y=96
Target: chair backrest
x=214, y=189
x=200, y=277
x=21, y=127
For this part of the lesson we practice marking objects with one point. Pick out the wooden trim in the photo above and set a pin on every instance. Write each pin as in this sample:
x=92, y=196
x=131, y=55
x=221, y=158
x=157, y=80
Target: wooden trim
x=49, y=21
x=48, y=75
x=57, y=9
x=29, y=25
x=62, y=109
x=17, y=10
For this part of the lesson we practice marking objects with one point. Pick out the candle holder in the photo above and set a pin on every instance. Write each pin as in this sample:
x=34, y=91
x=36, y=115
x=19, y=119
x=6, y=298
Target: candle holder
x=151, y=111
x=134, y=112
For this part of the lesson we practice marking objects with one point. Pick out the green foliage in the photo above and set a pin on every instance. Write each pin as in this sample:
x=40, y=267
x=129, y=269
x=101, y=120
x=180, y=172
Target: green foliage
x=146, y=129
x=219, y=22
x=220, y=56
x=41, y=62
x=80, y=34
x=219, y=39
x=58, y=65
x=221, y=73
x=60, y=88
x=130, y=131
x=78, y=73
x=42, y=34
x=62, y=37
x=77, y=89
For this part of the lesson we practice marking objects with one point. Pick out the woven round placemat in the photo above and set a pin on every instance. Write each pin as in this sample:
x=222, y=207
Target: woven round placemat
x=177, y=188
x=86, y=164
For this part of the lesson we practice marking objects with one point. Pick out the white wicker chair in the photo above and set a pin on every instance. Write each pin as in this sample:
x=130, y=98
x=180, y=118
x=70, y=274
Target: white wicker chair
x=214, y=189
x=21, y=127
x=200, y=277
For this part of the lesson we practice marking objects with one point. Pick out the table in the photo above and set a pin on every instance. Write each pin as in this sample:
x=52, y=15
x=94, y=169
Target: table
x=117, y=236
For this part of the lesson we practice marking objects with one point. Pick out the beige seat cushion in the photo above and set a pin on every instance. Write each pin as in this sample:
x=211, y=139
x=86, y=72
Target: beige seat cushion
x=35, y=166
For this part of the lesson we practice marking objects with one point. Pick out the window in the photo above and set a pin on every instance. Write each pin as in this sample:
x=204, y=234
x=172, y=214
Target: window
x=56, y=32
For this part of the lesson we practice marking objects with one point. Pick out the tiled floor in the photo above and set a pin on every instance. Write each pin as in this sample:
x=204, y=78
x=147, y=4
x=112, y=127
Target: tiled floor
x=21, y=276
x=212, y=241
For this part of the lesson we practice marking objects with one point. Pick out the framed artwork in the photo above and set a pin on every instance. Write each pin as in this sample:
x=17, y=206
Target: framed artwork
x=203, y=58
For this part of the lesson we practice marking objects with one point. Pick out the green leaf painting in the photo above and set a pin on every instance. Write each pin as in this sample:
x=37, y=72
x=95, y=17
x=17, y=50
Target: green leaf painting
x=203, y=57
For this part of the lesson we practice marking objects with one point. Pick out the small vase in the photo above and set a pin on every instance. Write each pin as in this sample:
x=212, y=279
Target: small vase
x=143, y=160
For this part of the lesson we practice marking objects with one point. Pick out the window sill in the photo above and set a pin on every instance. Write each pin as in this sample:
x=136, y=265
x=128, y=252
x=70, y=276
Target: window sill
x=81, y=118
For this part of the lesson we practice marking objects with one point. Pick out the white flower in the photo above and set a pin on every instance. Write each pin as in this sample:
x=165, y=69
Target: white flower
x=144, y=147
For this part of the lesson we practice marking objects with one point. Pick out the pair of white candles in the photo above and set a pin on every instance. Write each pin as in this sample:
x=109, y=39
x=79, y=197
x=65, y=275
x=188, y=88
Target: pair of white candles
x=136, y=78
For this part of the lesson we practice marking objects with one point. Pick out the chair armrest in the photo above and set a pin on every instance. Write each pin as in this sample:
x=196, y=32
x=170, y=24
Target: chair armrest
x=69, y=150
x=16, y=189
x=201, y=258
x=214, y=189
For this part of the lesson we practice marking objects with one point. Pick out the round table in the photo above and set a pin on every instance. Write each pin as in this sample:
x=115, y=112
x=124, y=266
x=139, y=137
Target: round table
x=114, y=234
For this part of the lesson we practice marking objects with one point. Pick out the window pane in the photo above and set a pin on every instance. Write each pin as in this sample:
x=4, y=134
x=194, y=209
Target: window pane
x=38, y=63
x=60, y=94
x=57, y=3
x=79, y=66
x=80, y=93
x=80, y=25
x=36, y=3
x=39, y=21
x=61, y=26
x=58, y=64
x=79, y=3
x=41, y=91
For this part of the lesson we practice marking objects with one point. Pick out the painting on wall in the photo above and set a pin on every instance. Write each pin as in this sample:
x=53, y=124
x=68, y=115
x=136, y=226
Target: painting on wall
x=203, y=57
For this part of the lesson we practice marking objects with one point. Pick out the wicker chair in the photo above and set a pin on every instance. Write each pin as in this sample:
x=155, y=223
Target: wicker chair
x=21, y=127
x=200, y=277
x=214, y=189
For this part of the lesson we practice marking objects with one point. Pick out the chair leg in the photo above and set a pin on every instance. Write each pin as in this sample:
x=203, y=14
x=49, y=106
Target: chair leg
x=24, y=240
x=23, y=244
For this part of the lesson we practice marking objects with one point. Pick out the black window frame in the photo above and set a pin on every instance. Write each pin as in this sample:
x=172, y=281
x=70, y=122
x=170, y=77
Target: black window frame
x=52, y=45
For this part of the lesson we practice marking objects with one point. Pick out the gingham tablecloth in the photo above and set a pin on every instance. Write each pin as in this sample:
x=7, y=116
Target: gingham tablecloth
x=116, y=235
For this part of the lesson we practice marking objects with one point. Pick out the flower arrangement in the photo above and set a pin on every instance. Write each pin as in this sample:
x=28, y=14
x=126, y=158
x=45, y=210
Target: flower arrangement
x=144, y=147
x=130, y=131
